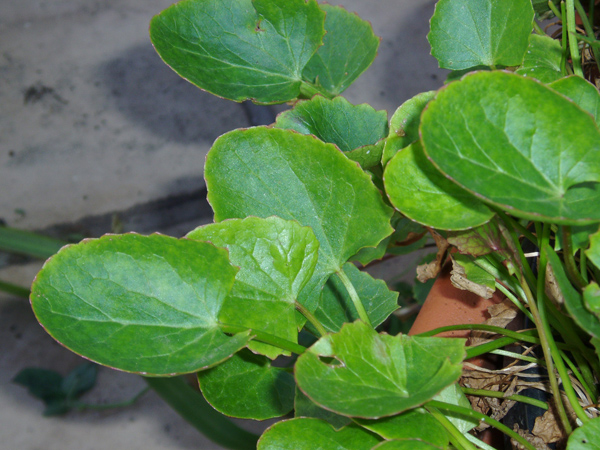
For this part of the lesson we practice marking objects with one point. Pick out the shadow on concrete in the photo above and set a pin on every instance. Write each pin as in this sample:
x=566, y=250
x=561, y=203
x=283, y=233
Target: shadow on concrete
x=146, y=90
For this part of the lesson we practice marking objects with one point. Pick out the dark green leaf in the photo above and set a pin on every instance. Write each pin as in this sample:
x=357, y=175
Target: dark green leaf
x=542, y=60
x=305, y=407
x=247, y=387
x=146, y=304
x=243, y=49
x=349, y=48
x=314, y=434
x=336, y=307
x=468, y=33
x=360, y=373
x=41, y=383
x=419, y=191
x=583, y=93
x=502, y=127
x=276, y=258
x=269, y=171
x=80, y=380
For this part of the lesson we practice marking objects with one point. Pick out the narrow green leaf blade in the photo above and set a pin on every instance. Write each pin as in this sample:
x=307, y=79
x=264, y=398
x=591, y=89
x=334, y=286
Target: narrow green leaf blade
x=469, y=33
x=422, y=193
x=268, y=171
x=314, y=434
x=245, y=49
x=276, y=258
x=246, y=386
x=349, y=48
x=583, y=93
x=360, y=373
x=542, y=60
x=502, y=127
x=146, y=304
x=336, y=308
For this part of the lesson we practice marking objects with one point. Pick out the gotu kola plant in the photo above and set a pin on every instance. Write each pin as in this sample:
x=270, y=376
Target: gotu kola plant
x=505, y=156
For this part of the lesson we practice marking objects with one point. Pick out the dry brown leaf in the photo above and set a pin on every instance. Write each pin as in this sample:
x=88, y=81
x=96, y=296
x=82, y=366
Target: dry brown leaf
x=459, y=280
x=537, y=442
x=431, y=270
x=501, y=315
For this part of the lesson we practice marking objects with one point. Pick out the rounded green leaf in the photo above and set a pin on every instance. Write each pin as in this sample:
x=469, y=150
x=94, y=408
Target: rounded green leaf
x=469, y=33
x=542, y=60
x=406, y=444
x=146, y=304
x=268, y=171
x=422, y=193
x=586, y=437
x=593, y=253
x=305, y=407
x=355, y=129
x=248, y=387
x=360, y=373
x=276, y=258
x=314, y=434
x=243, y=49
x=583, y=93
x=495, y=134
x=349, y=48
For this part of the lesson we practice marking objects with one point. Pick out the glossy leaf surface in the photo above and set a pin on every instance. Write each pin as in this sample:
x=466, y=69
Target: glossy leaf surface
x=276, y=258
x=586, y=437
x=314, y=434
x=349, y=48
x=305, y=407
x=422, y=193
x=502, y=127
x=146, y=304
x=336, y=307
x=243, y=49
x=584, y=94
x=248, y=387
x=268, y=171
x=469, y=33
x=542, y=60
x=406, y=444
x=360, y=373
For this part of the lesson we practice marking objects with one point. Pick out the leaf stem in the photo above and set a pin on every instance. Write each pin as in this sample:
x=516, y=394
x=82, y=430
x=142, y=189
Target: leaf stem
x=266, y=338
x=589, y=30
x=538, y=29
x=362, y=313
x=498, y=394
x=13, y=289
x=311, y=318
x=456, y=437
x=570, y=264
x=465, y=412
x=573, y=46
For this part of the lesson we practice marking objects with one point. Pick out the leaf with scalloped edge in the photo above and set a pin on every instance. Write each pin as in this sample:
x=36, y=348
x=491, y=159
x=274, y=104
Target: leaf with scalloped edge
x=276, y=258
x=542, y=60
x=146, y=304
x=502, y=127
x=582, y=92
x=359, y=373
x=243, y=49
x=268, y=171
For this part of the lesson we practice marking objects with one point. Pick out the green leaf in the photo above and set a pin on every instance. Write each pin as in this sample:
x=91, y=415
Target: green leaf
x=584, y=94
x=245, y=49
x=41, y=383
x=404, y=126
x=414, y=424
x=146, y=304
x=419, y=191
x=406, y=444
x=267, y=171
x=593, y=253
x=349, y=48
x=276, y=258
x=586, y=437
x=80, y=380
x=580, y=236
x=336, y=307
x=542, y=60
x=305, y=407
x=573, y=300
x=591, y=298
x=247, y=387
x=468, y=33
x=470, y=277
x=454, y=395
x=502, y=127
x=354, y=129
x=314, y=434
x=360, y=373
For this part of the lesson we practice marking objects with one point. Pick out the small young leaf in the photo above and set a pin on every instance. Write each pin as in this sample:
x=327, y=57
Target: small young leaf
x=276, y=258
x=501, y=127
x=308, y=433
x=336, y=307
x=247, y=387
x=468, y=33
x=419, y=191
x=41, y=383
x=583, y=93
x=586, y=437
x=146, y=304
x=268, y=171
x=360, y=373
x=542, y=60
x=349, y=48
x=80, y=380
x=404, y=126
x=243, y=49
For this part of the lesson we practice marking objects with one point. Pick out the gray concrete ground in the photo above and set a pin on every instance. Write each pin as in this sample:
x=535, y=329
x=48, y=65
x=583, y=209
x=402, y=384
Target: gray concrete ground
x=92, y=123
